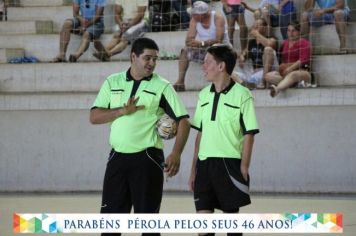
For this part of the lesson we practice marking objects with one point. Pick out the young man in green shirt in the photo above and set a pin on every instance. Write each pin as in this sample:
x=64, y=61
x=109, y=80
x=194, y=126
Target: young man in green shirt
x=226, y=123
x=133, y=101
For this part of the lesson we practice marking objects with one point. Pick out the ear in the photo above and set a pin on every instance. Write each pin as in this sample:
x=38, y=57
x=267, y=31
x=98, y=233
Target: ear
x=222, y=66
x=133, y=56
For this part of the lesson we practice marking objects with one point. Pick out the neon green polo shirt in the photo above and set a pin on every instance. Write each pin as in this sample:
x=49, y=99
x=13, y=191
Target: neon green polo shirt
x=223, y=119
x=136, y=132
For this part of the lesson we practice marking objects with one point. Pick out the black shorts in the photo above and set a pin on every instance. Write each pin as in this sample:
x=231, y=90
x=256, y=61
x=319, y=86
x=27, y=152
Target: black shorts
x=219, y=185
x=134, y=179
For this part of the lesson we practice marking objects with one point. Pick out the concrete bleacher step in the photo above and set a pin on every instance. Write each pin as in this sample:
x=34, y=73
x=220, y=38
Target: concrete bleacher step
x=293, y=97
x=66, y=77
x=60, y=77
x=335, y=70
x=26, y=27
x=8, y=53
x=45, y=47
x=326, y=41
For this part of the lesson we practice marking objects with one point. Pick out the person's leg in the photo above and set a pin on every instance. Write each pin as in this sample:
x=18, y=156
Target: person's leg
x=183, y=65
x=289, y=80
x=84, y=45
x=340, y=24
x=92, y=33
x=118, y=48
x=146, y=182
x=101, y=53
x=231, y=28
x=269, y=57
x=243, y=30
x=273, y=77
x=116, y=196
x=64, y=38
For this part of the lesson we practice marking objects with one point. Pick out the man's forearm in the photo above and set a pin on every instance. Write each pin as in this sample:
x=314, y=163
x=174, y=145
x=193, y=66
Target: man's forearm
x=182, y=135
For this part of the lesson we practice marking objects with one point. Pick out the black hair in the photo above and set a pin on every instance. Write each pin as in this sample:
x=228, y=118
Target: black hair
x=140, y=44
x=224, y=53
x=295, y=24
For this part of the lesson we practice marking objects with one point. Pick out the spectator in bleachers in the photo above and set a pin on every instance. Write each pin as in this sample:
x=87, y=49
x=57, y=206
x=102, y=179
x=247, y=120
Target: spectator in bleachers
x=262, y=55
x=88, y=22
x=206, y=28
x=276, y=13
x=294, y=69
x=329, y=12
x=3, y=10
x=131, y=18
x=235, y=13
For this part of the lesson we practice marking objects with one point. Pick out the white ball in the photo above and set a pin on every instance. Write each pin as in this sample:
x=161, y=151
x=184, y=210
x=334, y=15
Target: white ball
x=166, y=127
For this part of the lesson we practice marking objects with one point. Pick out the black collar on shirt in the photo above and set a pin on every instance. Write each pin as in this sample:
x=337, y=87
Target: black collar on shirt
x=226, y=90
x=129, y=76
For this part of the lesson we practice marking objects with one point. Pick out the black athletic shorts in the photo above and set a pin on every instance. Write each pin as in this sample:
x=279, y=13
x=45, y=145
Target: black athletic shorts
x=219, y=185
x=134, y=179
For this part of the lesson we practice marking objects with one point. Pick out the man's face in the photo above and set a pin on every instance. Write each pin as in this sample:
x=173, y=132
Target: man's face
x=211, y=68
x=199, y=17
x=146, y=62
x=260, y=27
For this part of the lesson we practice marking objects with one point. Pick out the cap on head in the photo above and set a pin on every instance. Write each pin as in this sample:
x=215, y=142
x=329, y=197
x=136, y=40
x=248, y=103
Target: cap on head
x=200, y=7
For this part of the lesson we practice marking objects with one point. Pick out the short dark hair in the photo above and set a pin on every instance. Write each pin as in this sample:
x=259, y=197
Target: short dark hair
x=295, y=24
x=140, y=44
x=224, y=53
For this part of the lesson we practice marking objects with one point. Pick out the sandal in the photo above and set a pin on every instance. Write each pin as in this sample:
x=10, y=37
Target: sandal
x=102, y=56
x=58, y=60
x=179, y=87
x=72, y=58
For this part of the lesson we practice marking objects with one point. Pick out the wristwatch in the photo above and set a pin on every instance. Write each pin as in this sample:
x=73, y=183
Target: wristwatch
x=202, y=43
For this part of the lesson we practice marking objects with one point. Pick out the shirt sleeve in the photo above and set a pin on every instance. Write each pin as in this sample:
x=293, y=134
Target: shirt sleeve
x=172, y=104
x=103, y=98
x=248, y=118
x=197, y=119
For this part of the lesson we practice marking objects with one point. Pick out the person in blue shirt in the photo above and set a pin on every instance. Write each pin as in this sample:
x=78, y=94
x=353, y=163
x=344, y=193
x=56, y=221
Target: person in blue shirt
x=329, y=12
x=87, y=21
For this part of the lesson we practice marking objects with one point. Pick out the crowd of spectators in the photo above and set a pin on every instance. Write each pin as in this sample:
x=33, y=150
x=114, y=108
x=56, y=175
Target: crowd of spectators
x=263, y=63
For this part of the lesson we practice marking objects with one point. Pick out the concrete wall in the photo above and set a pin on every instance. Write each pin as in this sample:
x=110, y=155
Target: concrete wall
x=306, y=143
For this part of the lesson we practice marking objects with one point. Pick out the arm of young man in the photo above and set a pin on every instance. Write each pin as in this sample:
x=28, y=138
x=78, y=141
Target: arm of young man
x=246, y=155
x=194, y=162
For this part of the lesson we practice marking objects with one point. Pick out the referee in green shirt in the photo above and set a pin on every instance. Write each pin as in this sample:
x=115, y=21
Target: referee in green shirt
x=132, y=102
x=226, y=123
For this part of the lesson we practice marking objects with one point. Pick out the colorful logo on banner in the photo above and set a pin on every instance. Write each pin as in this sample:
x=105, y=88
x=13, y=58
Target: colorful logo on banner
x=34, y=223
x=332, y=221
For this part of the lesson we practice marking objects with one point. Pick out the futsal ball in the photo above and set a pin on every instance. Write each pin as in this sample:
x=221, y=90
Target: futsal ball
x=166, y=127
